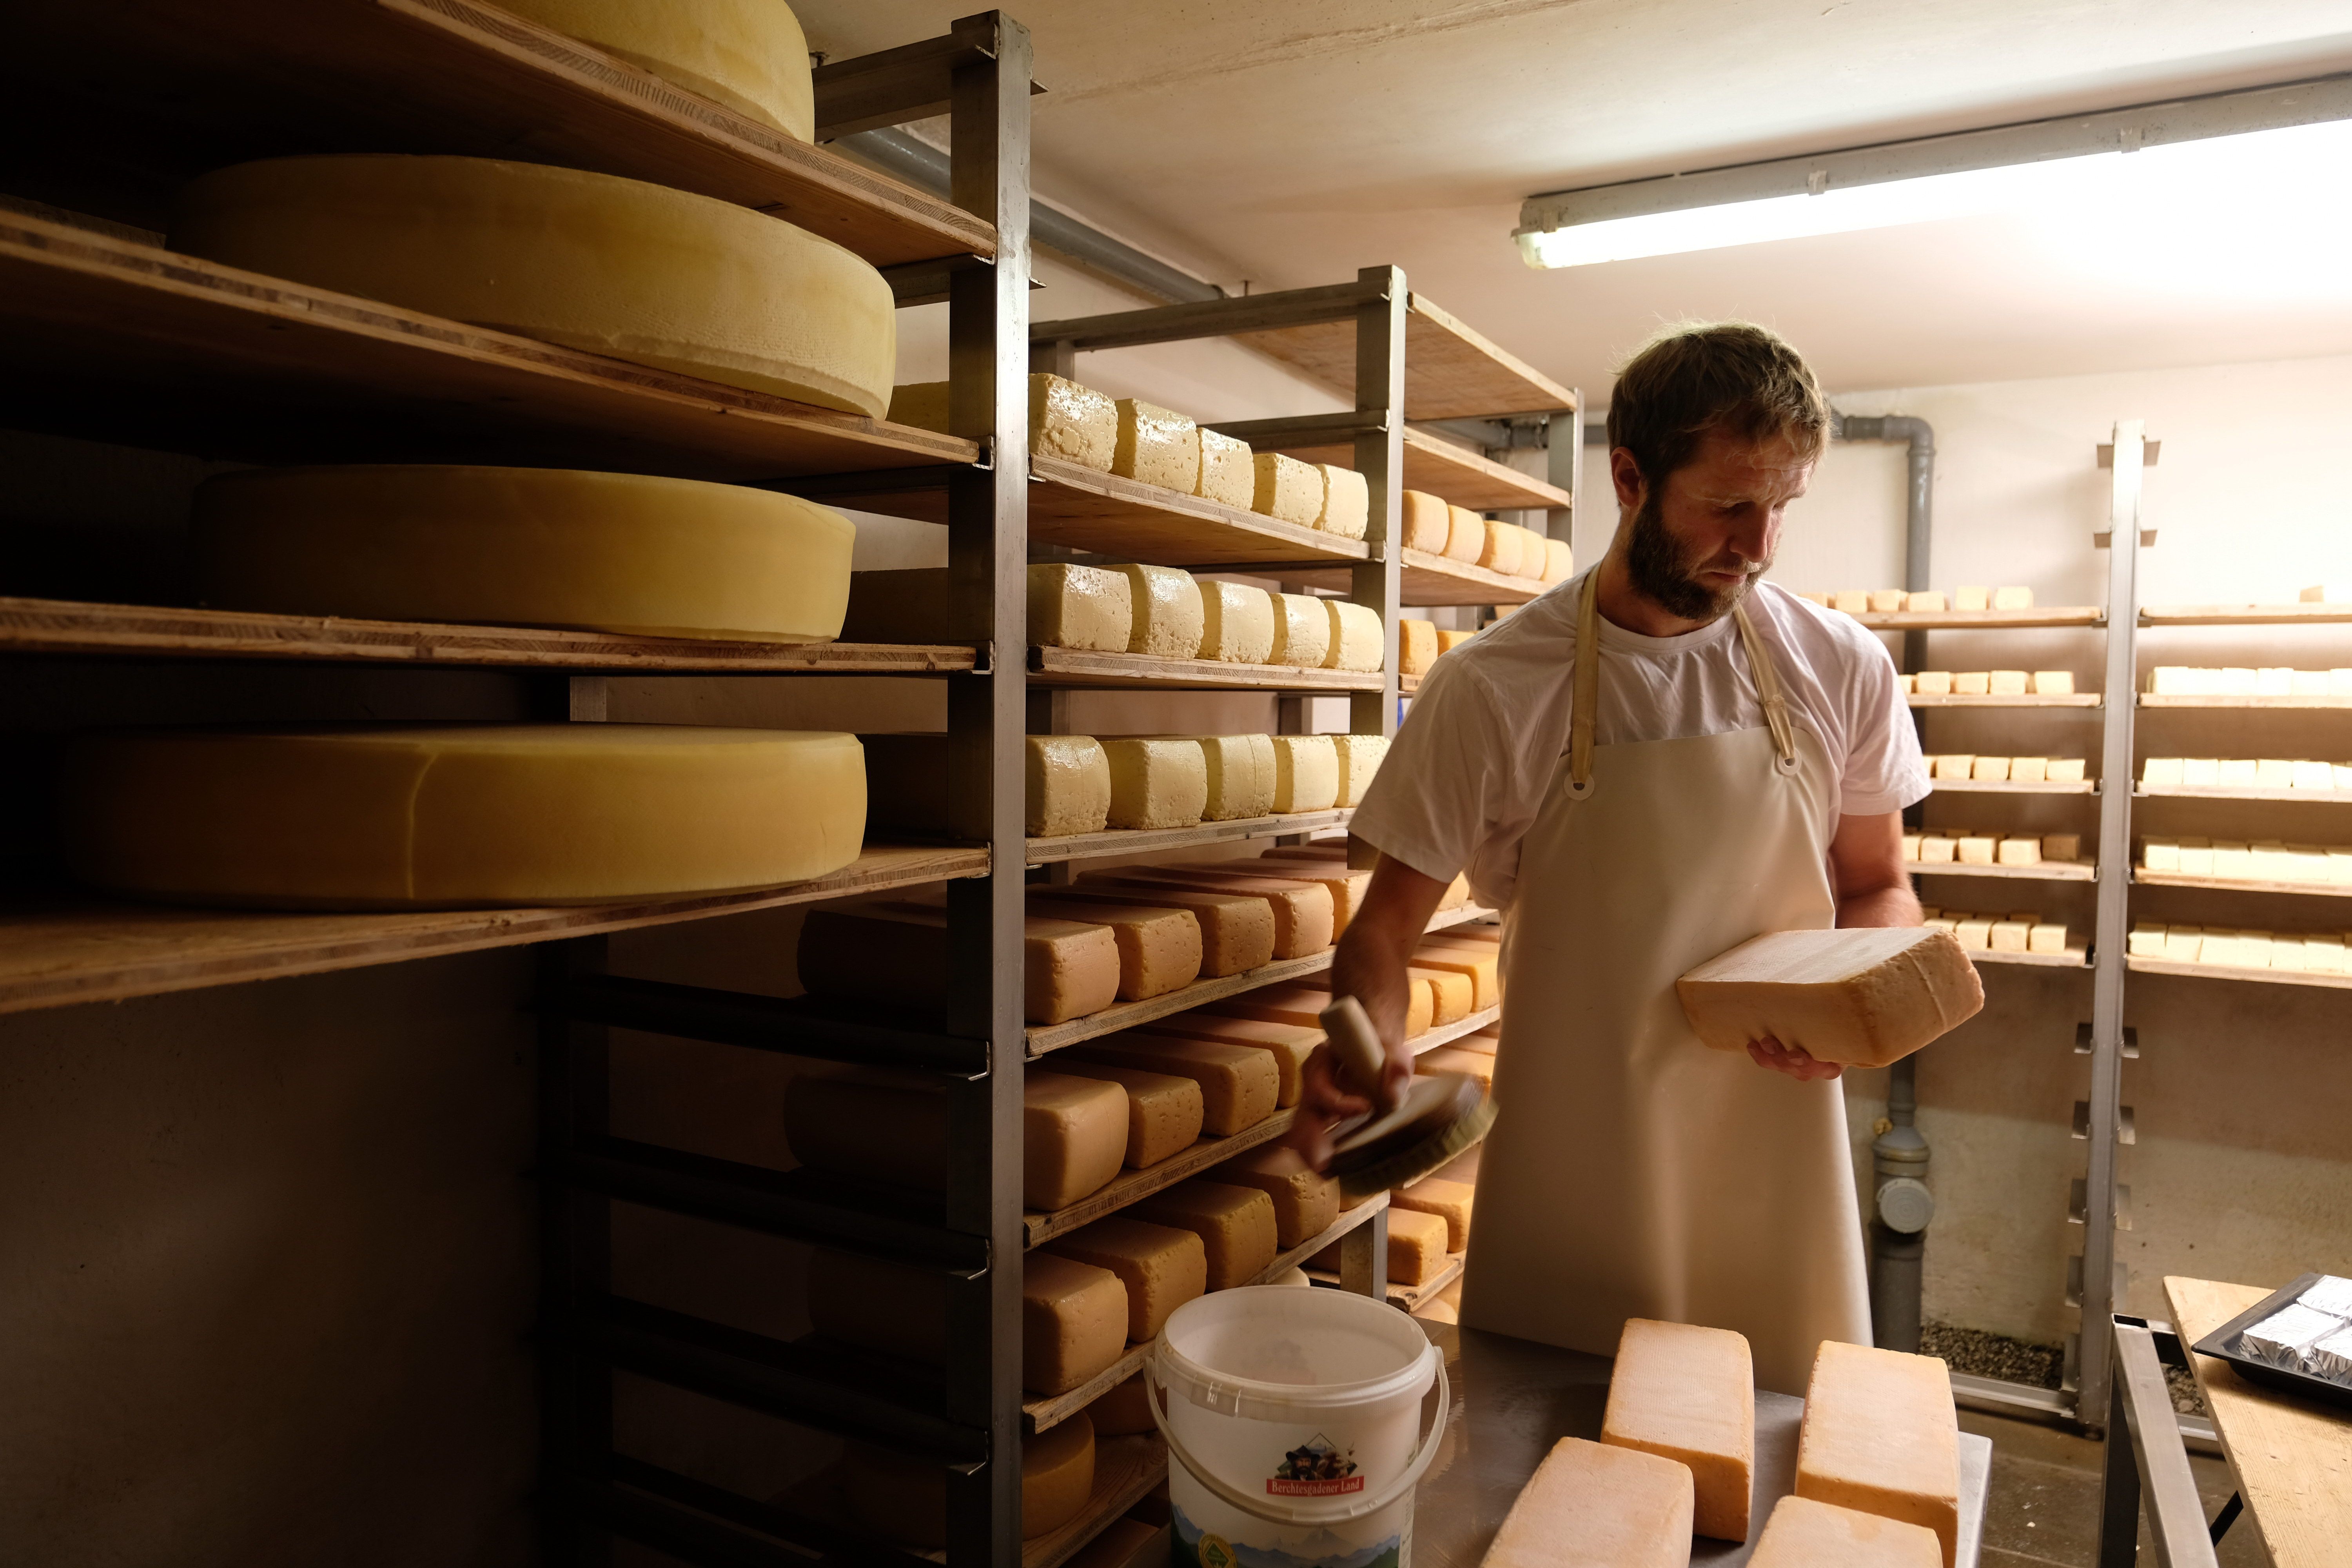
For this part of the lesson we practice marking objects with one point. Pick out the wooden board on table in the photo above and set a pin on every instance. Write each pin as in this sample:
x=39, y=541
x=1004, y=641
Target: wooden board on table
x=2292, y=1458
x=2030, y=700
x=1082, y=669
x=2244, y=615
x=1150, y=840
x=2234, y=885
x=2232, y=972
x=1454, y=472
x=1451, y=372
x=76, y=949
x=130, y=343
x=2046, y=871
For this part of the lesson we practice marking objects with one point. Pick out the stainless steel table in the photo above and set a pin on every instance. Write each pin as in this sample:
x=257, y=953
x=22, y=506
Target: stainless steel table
x=1514, y=1399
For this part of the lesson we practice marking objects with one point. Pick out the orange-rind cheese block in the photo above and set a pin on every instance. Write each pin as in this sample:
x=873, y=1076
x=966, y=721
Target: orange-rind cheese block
x=1688, y=1394
x=1159, y=949
x=1305, y=1203
x=1239, y=1084
x=1594, y=1505
x=1161, y=1267
x=1449, y=1201
x=1287, y=1044
x=1235, y=1224
x=1802, y=1533
x=1881, y=1435
x=1164, y=1112
x=1236, y=930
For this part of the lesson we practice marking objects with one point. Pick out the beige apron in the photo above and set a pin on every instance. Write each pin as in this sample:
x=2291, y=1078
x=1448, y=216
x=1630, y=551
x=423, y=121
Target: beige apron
x=1632, y=1172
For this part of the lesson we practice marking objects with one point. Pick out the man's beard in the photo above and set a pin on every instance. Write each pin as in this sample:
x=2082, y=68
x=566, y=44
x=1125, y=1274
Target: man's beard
x=1662, y=575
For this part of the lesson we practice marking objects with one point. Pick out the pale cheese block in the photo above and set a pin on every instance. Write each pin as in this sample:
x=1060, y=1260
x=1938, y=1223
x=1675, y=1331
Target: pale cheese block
x=1239, y=1084
x=1287, y=1044
x=1305, y=1203
x=1483, y=968
x=1302, y=631
x=1972, y=683
x=1449, y=1201
x=1228, y=470
x=1156, y=447
x=1067, y=783
x=1159, y=949
x=1863, y=996
x=897, y=952
x=1156, y=782
x=1994, y=770
x=1880, y=1436
x=1347, y=502
x=1348, y=884
x=2019, y=852
x=748, y=54
x=1932, y=683
x=1593, y=1505
x=1240, y=775
x=2006, y=682
x=1416, y=1246
x=1068, y=421
x=1802, y=1533
x=1083, y=607
x=1501, y=554
x=2062, y=847
x=1125, y=1410
x=1358, y=640
x=1971, y=598
x=553, y=547
x=1427, y=521
x=2009, y=936
x=2065, y=770
x=1236, y=623
x=2054, y=682
x=1956, y=765
x=1359, y=757
x=1306, y=774
x=1688, y=1394
x=1073, y=1132
x=1287, y=489
x=1559, y=562
x=2046, y=936
x=1303, y=914
x=1416, y=646
x=1533, y=557
x=1465, y=535
x=904, y=1497
x=1449, y=639
x=611, y=266
x=456, y=816
x=1237, y=930
x=2028, y=770
x=1235, y=1224
x=1161, y=1267
x=1884, y=601
x=2013, y=598
x=1927, y=601
x=1449, y=992
x=1977, y=850
x=1167, y=618
x=1164, y=1112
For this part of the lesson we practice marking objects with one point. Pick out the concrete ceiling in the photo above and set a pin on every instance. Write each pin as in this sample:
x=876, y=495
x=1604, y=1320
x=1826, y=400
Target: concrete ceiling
x=1291, y=142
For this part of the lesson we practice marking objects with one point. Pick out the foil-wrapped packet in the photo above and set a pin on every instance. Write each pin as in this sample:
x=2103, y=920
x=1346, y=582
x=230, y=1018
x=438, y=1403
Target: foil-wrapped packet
x=2331, y=1357
x=2283, y=1337
x=2330, y=1294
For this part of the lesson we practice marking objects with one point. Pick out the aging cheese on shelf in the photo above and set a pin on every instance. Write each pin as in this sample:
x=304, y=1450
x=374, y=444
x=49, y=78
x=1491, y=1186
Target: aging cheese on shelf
x=1239, y=1085
x=1484, y=968
x=1236, y=623
x=1449, y=992
x=1073, y=1132
x=1802, y=1533
x=1559, y=563
x=750, y=55
x=1287, y=1044
x=1427, y=521
x=1449, y=1201
x=1234, y=1224
x=898, y=953
x=1066, y=781
x=1166, y=614
x=1302, y=631
x=1068, y=421
x=1347, y=502
x=1287, y=490
x=1416, y=1246
x=1359, y=757
x=1241, y=776
x=1688, y=1394
x=1163, y=1111
x=1237, y=930
x=1864, y=995
x=1126, y=1409
x=1080, y=607
x=646, y=274
x=1072, y=1322
x=554, y=547
x=1592, y=1505
x=1502, y=552
x=1159, y=949
x=1449, y=639
x=1532, y=554
x=1357, y=641
x=1347, y=883
x=1880, y=1436
x=1465, y=535
x=456, y=816
x=1156, y=782
x=1228, y=470
x=1416, y=646
x=904, y=1497
x=1156, y=447
x=1303, y=913
x=1305, y=772
x=1462, y=1058
x=1161, y=1267
x=1306, y=1203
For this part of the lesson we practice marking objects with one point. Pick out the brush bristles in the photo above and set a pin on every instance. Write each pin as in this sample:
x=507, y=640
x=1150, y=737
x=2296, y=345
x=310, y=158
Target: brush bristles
x=1403, y=1169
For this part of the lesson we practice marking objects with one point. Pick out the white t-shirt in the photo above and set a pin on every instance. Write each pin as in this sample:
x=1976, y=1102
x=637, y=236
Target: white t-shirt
x=1463, y=782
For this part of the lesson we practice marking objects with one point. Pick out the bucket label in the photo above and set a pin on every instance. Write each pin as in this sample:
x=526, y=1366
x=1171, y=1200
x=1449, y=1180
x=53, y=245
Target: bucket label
x=1316, y=1468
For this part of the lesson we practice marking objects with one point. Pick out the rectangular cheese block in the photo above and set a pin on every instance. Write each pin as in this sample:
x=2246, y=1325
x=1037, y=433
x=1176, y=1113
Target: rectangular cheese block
x=1237, y=930
x=2146, y=940
x=1977, y=850
x=1971, y=598
x=1559, y=561
x=1416, y=646
x=1074, y=1131
x=1416, y=1248
x=1164, y=1112
x=1306, y=774
x=1166, y=617
x=1991, y=770
x=1932, y=682
x=2027, y=770
x=2020, y=852
x=1347, y=885
x=1863, y=996
x=1485, y=967
x=2274, y=773
x=1156, y=447
x=1347, y=502
x=2183, y=944
x=2053, y=683
x=1156, y=782
x=1885, y=600
x=1449, y=1201
x=1449, y=992
x=1688, y=1394
x=1302, y=631
x=1593, y=1505
x=1359, y=757
x=2013, y=598
x=1972, y=683
x=1228, y=470
x=1305, y=1205
x=1288, y=1045
x=1239, y=1084
x=1235, y=1224
x=1531, y=553
x=1065, y=786
x=897, y=952
x=2065, y=770
x=2006, y=682
x=1357, y=639
x=1065, y=420
x=1074, y=1318
x=2062, y=847
x=1159, y=949
x=1298, y=1004
x=1302, y=913
x=1501, y=553
x=1161, y=1267
x=1448, y=640
x=1236, y=623
x=1926, y=601
x=1241, y=776
x=2009, y=936
x=1425, y=521
x=1956, y=765
x=1802, y=1533
x=1287, y=490
x=1880, y=1436
x=2239, y=773
x=1465, y=535
x=1078, y=606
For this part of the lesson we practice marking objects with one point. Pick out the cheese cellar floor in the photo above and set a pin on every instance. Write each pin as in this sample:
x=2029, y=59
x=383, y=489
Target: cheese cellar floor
x=2043, y=1510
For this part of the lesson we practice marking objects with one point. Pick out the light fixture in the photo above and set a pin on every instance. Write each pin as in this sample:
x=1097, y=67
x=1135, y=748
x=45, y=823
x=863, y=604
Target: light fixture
x=2044, y=164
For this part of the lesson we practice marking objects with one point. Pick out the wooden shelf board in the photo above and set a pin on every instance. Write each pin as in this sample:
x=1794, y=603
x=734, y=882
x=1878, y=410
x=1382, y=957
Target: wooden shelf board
x=1434, y=580
x=1450, y=371
x=252, y=79
x=2145, y=877
x=2030, y=700
x=2244, y=615
x=2009, y=787
x=1079, y=669
x=2073, y=958
x=2047, y=871
x=1446, y=1034
x=123, y=341
x=2231, y=972
x=1982, y=620
x=67, y=627
x=1406, y=1297
x=2201, y=792
x=55, y=953
x=1452, y=472
x=1039, y=1228
x=1148, y=840
x=2151, y=700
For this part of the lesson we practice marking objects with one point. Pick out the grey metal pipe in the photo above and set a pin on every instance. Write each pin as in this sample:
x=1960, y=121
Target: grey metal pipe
x=922, y=164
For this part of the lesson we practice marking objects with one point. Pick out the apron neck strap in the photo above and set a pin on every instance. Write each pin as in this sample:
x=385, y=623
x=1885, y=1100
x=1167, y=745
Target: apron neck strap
x=1586, y=698
x=1768, y=688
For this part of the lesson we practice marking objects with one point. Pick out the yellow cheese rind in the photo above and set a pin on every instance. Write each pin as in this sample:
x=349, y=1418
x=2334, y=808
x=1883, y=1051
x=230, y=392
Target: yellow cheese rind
x=1073, y=1137
x=1239, y=1084
x=1880, y=1436
x=1234, y=1224
x=750, y=55
x=1241, y=776
x=1302, y=631
x=1288, y=1045
x=1303, y=914
x=1156, y=447
x=1161, y=1267
x=1066, y=781
x=1427, y=521
x=1080, y=607
x=1416, y=646
x=1359, y=757
x=1156, y=782
x=1504, y=542
x=1228, y=470
x=1863, y=996
x=1236, y=931
x=1305, y=1203
x=1305, y=772
x=1688, y=1394
x=1592, y=1505
x=1533, y=556
x=1236, y=623
x=1347, y=502
x=1465, y=535
x=1167, y=618
x=1075, y=423
x=1072, y=1322
x=1484, y=968
x=1159, y=949
x=550, y=547
x=1802, y=1533
x=617, y=266
x=1357, y=638
x=904, y=1497
x=422, y=817
x=1559, y=562
x=1449, y=1201
x=1449, y=992
x=1287, y=489
x=1164, y=1112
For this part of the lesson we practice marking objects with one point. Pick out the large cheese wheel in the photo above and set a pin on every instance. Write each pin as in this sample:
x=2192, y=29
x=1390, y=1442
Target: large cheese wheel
x=398, y=816
x=615, y=267
x=750, y=55
x=556, y=547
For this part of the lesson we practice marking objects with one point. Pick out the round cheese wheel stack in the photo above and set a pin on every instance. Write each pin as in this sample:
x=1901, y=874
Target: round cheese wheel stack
x=553, y=547
x=615, y=267
x=750, y=55
x=417, y=817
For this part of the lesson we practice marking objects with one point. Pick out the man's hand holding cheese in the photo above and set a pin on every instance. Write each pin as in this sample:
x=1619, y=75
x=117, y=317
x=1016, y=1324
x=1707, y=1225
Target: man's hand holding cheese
x=1652, y=763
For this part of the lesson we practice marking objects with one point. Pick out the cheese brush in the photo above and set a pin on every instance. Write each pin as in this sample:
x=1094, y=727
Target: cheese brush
x=1437, y=1119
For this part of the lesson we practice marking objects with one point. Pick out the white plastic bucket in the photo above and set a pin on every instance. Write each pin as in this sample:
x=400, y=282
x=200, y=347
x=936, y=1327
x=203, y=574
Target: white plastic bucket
x=1292, y=1420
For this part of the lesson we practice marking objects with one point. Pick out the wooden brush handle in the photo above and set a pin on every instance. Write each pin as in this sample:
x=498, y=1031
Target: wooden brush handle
x=1357, y=1045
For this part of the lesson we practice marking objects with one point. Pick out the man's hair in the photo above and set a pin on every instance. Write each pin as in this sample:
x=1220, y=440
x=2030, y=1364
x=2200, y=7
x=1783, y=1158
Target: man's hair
x=1704, y=377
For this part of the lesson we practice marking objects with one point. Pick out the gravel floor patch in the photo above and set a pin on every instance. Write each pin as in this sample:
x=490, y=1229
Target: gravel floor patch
x=1980, y=1353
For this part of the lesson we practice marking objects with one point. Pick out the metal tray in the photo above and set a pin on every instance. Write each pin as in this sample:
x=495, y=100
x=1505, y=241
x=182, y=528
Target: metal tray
x=2221, y=1343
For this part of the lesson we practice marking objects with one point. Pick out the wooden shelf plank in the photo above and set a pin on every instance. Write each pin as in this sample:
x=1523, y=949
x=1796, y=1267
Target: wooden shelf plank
x=2073, y=958
x=2044, y=618
x=2231, y=972
x=2047, y=871
x=58, y=953
x=1451, y=372
x=2030, y=700
x=1148, y=840
x=2146, y=877
x=1446, y=1034
x=1076, y=669
x=2010, y=786
x=1040, y=1227
x=1434, y=580
x=106, y=337
x=1452, y=472
x=2151, y=700
x=2201, y=792
x=70, y=627
x=2244, y=615
x=251, y=78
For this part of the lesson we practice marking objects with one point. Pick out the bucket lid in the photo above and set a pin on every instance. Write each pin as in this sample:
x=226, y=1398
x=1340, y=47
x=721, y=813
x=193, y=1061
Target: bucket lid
x=1294, y=1314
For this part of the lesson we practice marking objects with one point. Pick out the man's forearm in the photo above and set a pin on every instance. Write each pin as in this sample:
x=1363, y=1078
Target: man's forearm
x=1380, y=942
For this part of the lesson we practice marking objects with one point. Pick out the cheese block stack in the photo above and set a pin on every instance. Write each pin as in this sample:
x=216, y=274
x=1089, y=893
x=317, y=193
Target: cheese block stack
x=1887, y=601
x=2239, y=861
x=1963, y=847
x=1991, y=683
x=2023, y=931
x=1957, y=767
x=2183, y=681
x=2300, y=953
x=2245, y=773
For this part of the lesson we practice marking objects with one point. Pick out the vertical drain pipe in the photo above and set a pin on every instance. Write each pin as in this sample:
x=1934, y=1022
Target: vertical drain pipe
x=1903, y=1203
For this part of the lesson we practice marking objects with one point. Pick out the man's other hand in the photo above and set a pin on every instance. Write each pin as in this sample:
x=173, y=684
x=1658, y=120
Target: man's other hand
x=1797, y=1063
